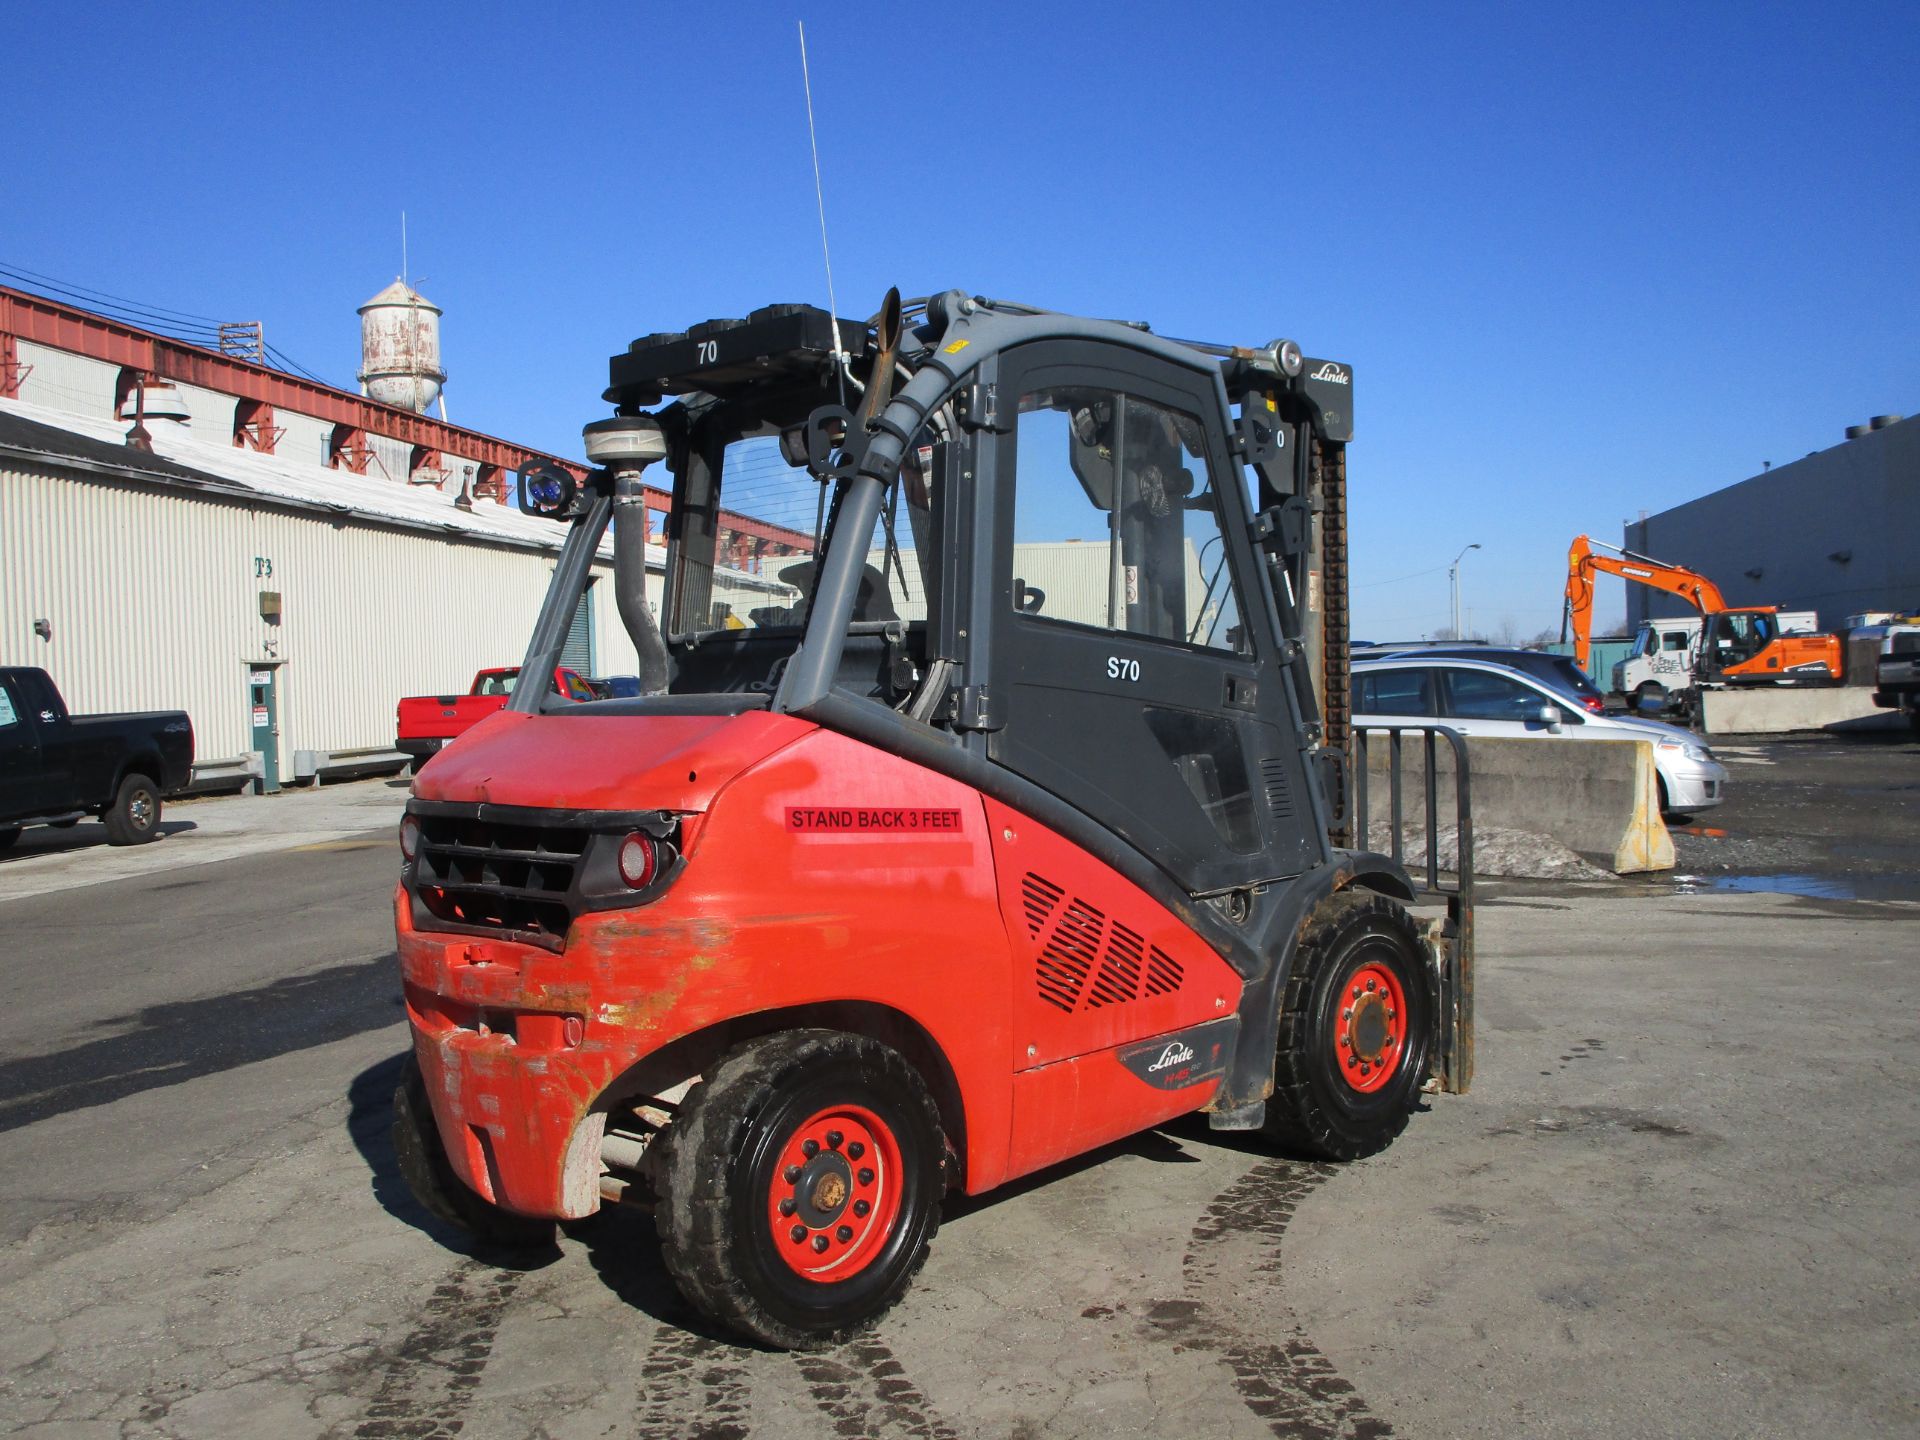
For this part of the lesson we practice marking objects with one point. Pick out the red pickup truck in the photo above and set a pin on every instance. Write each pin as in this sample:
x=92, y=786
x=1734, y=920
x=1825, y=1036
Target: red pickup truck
x=425, y=723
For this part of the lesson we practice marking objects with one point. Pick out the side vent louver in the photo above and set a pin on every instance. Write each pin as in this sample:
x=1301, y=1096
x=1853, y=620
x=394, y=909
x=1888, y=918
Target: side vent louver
x=1085, y=960
x=1273, y=775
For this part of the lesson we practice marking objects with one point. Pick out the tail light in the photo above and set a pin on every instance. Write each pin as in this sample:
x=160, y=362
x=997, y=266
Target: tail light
x=1592, y=703
x=639, y=860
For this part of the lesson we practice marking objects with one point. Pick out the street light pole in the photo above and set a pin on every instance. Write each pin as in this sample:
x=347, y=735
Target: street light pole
x=1453, y=579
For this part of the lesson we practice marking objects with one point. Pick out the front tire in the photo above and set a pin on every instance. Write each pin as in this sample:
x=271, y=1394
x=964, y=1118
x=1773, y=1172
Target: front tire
x=134, y=816
x=1650, y=696
x=1356, y=1028
x=801, y=1186
x=429, y=1174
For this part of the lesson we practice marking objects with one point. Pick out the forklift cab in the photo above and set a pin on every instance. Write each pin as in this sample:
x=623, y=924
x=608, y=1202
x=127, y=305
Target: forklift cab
x=1057, y=555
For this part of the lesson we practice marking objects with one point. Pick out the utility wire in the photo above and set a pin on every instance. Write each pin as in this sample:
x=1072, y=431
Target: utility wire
x=1398, y=578
x=202, y=330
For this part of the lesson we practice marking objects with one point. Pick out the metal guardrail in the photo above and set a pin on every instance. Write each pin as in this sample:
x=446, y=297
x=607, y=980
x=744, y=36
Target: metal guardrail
x=1462, y=800
x=1456, y=957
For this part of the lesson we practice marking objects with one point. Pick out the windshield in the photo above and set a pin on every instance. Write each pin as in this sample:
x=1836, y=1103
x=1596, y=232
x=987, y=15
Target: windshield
x=754, y=569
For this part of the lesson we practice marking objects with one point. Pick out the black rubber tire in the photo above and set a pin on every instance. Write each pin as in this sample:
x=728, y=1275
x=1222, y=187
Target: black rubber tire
x=1313, y=1110
x=134, y=816
x=8, y=836
x=1913, y=722
x=716, y=1176
x=414, y=762
x=1649, y=694
x=429, y=1175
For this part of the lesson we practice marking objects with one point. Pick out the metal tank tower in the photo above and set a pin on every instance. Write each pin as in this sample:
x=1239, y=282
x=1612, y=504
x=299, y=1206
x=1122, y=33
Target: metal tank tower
x=400, y=349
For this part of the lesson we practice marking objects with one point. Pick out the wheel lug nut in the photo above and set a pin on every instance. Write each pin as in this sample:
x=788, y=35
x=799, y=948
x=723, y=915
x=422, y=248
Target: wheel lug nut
x=789, y=1205
x=866, y=1176
x=1369, y=987
x=819, y=1244
x=843, y=1234
x=1347, y=1014
x=1356, y=992
x=856, y=1150
x=791, y=1173
x=797, y=1234
x=810, y=1149
x=862, y=1208
x=834, y=1137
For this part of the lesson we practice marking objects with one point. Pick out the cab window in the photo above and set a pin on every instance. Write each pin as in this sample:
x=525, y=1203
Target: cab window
x=1394, y=692
x=8, y=716
x=1676, y=639
x=1116, y=523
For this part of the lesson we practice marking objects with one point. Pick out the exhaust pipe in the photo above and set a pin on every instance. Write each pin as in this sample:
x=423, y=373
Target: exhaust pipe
x=626, y=445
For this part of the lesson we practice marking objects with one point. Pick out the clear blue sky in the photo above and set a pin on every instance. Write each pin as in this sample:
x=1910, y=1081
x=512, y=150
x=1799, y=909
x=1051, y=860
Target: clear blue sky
x=1585, y=260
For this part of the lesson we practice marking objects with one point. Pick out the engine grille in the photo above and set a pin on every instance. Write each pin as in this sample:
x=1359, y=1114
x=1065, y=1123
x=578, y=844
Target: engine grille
x=1079, y=944
x=518, y=879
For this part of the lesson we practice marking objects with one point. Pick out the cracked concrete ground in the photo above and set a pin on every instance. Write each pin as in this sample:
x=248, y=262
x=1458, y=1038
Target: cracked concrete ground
x=1678, y=1201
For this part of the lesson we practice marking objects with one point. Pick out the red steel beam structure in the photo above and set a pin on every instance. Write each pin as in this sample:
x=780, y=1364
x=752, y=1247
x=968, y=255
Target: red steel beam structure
x=35, y=318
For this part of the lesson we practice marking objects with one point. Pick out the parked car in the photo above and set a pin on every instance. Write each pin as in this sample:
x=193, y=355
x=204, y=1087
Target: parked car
x=615, y=687
x=423, y=724
x=1556, y=671
x=56, y=768
x=1483, y=697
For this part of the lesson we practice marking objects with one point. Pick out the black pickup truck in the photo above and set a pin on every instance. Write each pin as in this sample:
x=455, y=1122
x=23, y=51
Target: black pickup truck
x=56, y=768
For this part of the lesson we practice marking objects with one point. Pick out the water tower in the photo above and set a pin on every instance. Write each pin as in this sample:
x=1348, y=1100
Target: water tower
x=400, y=349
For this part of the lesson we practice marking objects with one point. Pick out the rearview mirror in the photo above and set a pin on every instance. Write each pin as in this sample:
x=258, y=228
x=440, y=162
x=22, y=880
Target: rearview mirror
x=1549, y=715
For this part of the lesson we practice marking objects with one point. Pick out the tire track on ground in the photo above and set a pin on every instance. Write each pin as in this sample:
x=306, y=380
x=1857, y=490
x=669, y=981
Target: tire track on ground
x=693, y=1387
x=428, y=1378
x=863, y=1389
x=1288, y=1383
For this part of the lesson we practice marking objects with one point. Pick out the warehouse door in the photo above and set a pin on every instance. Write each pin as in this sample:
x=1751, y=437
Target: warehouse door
x=577, y=653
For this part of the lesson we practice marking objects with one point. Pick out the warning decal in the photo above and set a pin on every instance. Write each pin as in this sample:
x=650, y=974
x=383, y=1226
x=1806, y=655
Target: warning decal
x=870, y=819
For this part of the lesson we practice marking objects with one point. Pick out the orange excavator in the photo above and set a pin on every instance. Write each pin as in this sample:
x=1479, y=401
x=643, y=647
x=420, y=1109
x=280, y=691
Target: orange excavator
x=1738, y=645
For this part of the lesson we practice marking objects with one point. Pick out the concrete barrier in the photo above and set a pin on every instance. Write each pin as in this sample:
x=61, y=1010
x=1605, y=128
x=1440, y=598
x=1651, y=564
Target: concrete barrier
x=1773, y=710
x=1599, y=798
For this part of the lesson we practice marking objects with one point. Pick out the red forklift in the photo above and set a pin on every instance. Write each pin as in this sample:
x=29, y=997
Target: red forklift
x=992, y=821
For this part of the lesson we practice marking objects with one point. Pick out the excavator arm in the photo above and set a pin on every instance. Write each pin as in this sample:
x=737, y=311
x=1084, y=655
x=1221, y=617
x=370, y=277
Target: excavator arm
x=1583, y=564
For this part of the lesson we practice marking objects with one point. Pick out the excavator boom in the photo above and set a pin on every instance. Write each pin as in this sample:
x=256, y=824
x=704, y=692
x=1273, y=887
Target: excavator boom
x=1583, y=564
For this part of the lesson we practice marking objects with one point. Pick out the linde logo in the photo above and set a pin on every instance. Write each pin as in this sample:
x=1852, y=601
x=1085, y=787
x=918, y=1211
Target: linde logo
x=1174, y=1054
x=1330, y=372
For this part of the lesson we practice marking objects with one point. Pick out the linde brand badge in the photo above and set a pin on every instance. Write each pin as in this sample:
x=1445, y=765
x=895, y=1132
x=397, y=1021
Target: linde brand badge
x=872, y=819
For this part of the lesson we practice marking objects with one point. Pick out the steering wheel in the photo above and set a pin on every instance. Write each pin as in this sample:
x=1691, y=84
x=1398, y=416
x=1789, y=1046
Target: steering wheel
x=1028, y=599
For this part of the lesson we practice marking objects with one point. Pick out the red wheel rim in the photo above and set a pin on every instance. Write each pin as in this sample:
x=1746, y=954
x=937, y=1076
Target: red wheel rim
x=835, y=1196
x=1370, y=1027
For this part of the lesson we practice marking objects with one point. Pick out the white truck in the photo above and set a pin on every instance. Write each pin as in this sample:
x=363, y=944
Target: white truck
x=1897, y=678
x=1660, y=666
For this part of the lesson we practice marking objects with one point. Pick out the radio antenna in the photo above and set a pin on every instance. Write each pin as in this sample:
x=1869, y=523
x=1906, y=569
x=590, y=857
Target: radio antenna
x=820, y=199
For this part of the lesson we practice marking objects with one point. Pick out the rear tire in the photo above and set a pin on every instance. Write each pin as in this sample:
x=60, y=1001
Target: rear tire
x=134, y=816
x=414, y=762
x=429, y=1174
x=738, y=1183
x=1356, y=1028
x=8, y=836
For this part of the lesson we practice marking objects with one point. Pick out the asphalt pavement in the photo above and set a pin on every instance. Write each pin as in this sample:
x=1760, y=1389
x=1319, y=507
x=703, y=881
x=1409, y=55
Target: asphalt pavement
x=1677, y=1202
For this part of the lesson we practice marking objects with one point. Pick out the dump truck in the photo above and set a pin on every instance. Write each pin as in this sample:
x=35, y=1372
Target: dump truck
x=925, y=875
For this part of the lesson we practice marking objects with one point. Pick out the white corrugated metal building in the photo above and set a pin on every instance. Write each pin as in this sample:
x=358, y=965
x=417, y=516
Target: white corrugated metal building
x=192, y=576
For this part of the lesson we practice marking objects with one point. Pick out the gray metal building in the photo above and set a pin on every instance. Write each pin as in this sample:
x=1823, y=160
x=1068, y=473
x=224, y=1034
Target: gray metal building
x=1837, y=532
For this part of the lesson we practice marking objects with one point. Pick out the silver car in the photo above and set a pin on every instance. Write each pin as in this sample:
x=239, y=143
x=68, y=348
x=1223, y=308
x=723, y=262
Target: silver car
x=1479, y=697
